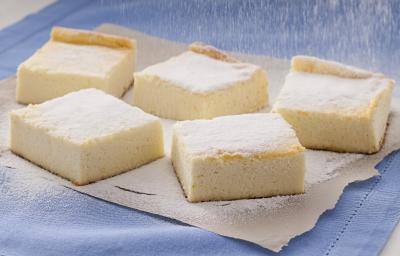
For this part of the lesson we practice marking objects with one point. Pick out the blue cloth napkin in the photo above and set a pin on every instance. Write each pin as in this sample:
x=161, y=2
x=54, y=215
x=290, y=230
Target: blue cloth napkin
x=76, y=224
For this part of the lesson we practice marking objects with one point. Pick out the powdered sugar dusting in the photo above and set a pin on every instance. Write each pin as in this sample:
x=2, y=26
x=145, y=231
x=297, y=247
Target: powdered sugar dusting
x=238, y=134
x=26, y=186
x=65, y=58
x=327, y=93
x=100, y=114
x=269, y=222
x=200, y=73
x=324, y=165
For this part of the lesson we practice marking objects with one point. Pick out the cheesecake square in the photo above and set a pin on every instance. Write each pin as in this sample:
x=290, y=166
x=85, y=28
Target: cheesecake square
x=237, y=157
x=200, y=83
x=73, y=60
x=85, y=136
x=334, y=106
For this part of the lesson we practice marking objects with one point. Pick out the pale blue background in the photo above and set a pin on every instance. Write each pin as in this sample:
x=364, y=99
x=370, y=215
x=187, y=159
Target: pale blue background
x=362, y=33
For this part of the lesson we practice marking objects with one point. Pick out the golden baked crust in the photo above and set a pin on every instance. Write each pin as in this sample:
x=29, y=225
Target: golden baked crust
x=77, y=36
x=314, y=65
x=292, y=151
x=211, y=51
x=373, y=104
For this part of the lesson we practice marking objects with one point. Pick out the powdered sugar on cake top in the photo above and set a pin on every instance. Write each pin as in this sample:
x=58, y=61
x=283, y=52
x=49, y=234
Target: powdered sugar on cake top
x=327, y=93
x=83, y=115
x=200, y=73
x=238, y=135
x=63, y=58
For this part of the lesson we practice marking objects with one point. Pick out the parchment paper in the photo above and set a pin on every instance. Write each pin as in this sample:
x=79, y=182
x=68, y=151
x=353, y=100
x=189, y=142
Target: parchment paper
x=154, y=188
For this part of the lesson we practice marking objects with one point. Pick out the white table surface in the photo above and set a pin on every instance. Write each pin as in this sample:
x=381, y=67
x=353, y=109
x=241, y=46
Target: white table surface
x=12, y=11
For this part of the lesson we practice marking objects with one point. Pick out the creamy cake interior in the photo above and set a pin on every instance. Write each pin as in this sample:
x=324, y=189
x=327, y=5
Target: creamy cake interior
x=335, y=107
x=73, y=60
x=86, y=136
x=236, y=157
x=200, y=83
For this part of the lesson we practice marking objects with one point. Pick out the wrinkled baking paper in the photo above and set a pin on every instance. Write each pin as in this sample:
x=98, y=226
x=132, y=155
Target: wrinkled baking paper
x=154, y=188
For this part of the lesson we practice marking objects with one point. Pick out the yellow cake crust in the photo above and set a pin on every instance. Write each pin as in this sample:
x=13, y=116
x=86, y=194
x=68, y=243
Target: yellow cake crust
x=291, y=151
x=78, y=36
x=315, y=65
x=212, y=52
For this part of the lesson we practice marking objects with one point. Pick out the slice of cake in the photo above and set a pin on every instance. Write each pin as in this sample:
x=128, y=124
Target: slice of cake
x=201, y=83
x=86, y=136
x=73, y=60
x=235, y=157
x=335, y=107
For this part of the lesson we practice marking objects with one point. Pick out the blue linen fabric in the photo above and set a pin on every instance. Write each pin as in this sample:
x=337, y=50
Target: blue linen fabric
x=362, y=33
